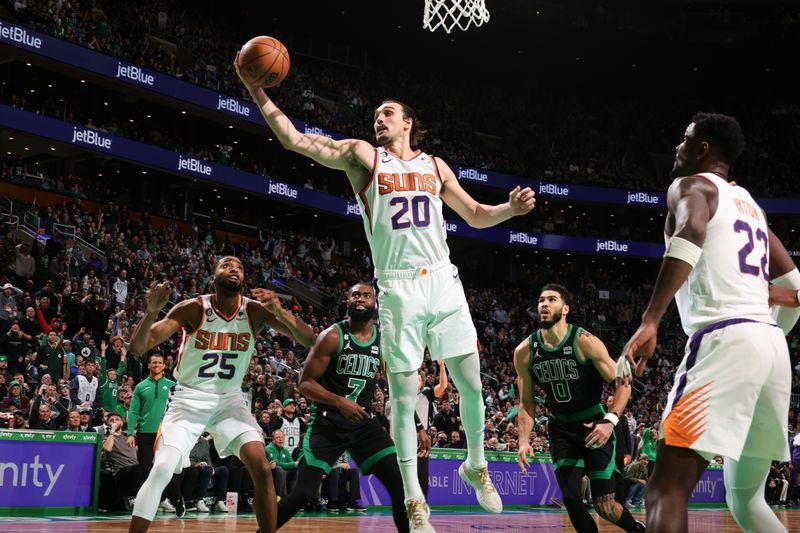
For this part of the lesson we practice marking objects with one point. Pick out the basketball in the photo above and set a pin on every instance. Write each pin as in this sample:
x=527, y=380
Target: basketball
x=264, y=61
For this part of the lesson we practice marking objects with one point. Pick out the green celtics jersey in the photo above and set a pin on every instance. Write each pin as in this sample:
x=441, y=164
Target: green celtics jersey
x=571, y=385
x=352, y=370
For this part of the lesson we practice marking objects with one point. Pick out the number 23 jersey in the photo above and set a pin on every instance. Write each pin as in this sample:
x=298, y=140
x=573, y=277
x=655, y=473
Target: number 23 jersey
x=214, y=358
x=401, y=207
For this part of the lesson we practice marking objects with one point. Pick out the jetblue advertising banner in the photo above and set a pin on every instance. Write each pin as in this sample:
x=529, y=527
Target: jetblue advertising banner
x=175, y=163
x=47, y=469
x=167, y=85
x=536, y=487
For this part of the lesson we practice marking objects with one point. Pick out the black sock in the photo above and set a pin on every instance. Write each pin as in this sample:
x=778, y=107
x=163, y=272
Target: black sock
x=627, y=522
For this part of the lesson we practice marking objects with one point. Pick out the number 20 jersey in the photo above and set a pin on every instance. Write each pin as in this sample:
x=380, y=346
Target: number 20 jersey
x=214, y=358
x=731, y=278
x=402, y=211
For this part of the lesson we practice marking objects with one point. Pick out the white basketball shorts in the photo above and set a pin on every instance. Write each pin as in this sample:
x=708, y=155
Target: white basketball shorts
x=731, y=393
x=423, y=307
x=191, y=412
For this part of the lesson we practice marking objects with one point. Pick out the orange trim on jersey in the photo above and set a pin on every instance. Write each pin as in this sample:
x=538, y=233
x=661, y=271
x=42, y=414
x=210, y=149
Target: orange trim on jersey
x=374, y=173
x=438, y=175
x=686, y=422
x=367, y=210
x=226, y=318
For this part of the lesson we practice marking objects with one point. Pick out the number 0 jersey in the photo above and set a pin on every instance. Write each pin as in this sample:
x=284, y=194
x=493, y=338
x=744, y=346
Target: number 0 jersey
x=402, y=211
x=571, y=385
x=215, y=357
x=352, y=370
x=731, y=278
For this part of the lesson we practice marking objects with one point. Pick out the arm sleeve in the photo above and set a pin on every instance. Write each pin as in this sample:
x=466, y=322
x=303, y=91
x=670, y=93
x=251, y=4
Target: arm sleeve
x=73, y=391
x=787, y=317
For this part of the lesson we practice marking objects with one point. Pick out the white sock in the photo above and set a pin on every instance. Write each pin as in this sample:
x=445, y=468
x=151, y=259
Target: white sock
x=744, y=493
x=165, y=462
x=403, y=388
x=466, y=373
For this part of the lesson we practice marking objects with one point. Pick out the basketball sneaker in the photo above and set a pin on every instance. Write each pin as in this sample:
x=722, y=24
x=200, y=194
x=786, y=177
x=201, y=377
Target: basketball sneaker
x=180, y=508
x=484, y=488
x=166, y=506
x=220, y=507
x=418, y=513
x=202, y=507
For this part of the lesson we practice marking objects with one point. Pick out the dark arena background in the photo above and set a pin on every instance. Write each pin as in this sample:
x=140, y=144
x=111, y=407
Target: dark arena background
x=130, y=152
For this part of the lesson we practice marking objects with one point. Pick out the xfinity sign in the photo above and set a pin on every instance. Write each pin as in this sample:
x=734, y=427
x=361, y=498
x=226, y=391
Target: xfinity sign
x=15, y=34
x=33, y=474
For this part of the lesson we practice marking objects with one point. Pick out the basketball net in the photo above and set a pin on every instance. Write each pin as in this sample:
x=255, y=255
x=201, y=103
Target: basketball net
x=448, y=14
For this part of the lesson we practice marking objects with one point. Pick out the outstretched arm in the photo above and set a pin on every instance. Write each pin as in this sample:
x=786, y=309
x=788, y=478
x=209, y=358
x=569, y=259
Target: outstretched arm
x=149, y=333
x=272, y=314
x=344, y=155
x=477, y=215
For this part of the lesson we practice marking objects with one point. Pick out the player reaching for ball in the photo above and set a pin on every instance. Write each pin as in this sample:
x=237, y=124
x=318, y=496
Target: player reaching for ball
x=421, y=300
x=572, y=365
x=218, y=337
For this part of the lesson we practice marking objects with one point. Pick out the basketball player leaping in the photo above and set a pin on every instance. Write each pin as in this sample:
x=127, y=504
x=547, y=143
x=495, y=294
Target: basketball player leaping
x=732, y=389
x=572, y=366
x=219, y=332
x=421, y=300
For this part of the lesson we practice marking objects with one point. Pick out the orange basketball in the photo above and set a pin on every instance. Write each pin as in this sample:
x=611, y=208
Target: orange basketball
x=264, y=61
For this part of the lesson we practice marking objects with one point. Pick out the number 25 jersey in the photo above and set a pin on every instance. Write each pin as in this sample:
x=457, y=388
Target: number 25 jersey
x=214, y=358
x=731, y=278
x=402, y=211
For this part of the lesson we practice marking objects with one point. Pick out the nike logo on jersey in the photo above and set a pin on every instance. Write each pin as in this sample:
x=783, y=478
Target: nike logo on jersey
x=386, y=160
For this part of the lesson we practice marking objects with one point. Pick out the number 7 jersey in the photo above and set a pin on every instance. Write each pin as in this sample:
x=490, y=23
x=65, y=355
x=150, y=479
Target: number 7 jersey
x=402, y=211
x=731, y=279
x=214, y=358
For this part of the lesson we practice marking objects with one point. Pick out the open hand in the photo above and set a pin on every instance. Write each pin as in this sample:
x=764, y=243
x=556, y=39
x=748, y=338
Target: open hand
x=158, y=296
x=268, y=299
x=525, y=450
x=424, y=446
x=641, y=345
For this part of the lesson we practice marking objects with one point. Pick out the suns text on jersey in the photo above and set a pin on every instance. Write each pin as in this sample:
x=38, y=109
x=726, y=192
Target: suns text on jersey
x=222, y=341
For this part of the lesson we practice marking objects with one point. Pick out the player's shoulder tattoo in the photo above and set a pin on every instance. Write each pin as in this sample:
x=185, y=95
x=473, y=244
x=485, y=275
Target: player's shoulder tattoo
x=584, y=333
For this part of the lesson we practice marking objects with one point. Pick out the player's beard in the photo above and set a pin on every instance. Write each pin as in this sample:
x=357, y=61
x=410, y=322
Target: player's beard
x=555, y=318
x=224, y=288
x=360, y=316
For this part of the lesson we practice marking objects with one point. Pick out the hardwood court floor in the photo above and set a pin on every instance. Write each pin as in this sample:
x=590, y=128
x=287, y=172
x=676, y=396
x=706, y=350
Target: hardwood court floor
x=450, y=520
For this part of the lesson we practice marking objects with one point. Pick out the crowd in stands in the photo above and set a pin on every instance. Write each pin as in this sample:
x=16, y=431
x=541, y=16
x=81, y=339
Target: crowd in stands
x=578, y=135
x=66, y=315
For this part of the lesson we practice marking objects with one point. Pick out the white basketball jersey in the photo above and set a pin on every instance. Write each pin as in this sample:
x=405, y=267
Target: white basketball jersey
x=87, y=391
x=291, y=432
x=402, y=211
x=215, y=357
x=731, y=278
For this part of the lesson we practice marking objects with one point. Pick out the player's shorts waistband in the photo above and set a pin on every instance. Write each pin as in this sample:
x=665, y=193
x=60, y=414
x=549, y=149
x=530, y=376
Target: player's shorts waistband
x=589, y=412
x=411, y=273
x=194, y=390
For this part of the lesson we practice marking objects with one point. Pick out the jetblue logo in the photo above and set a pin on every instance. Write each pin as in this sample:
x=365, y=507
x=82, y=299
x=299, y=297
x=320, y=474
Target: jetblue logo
x=641, y=198
x=194, y=165
x=353, y=209
x=90, y=137
x=521, y=237
x=451, y=227
x=19, y=35
x=134, y=73
x=281, y=189
x=317, y=131
x=611, y=246
x=553, y=189
x=472, y=175
x=232, y=105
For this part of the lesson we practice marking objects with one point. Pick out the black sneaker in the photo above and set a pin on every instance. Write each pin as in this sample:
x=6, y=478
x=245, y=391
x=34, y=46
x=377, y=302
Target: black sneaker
x=353, y=506
x=641, y=527
x=180, y=508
